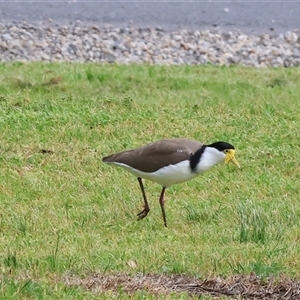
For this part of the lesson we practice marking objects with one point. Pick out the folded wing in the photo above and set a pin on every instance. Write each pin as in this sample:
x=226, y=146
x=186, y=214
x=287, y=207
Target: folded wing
x=151, y=157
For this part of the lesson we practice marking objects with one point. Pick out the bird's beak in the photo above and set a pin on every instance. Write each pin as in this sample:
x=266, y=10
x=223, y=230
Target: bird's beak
x=230, y=157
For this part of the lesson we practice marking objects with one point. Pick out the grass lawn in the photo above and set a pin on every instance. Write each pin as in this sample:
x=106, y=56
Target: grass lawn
x=63, y=213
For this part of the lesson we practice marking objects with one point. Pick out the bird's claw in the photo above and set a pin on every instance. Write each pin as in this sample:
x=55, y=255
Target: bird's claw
x=143, y=213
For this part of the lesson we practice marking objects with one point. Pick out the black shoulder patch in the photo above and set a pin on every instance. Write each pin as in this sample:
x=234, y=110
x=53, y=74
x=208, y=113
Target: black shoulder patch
x=195, y=158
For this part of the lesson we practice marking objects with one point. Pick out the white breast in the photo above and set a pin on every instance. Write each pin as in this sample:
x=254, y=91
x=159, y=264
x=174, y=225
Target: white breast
x=166, y=176
x=209, y=158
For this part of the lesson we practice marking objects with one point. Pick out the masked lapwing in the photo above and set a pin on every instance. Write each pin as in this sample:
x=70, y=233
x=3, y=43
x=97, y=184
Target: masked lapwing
x=171, y=161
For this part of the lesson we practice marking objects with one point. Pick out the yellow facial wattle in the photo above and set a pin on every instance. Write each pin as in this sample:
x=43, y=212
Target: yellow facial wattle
x=230, y=157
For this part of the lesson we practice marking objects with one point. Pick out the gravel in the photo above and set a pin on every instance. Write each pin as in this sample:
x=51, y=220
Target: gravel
x=22, y=41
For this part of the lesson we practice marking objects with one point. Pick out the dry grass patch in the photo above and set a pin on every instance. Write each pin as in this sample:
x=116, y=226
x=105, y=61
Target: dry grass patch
x=237, y=287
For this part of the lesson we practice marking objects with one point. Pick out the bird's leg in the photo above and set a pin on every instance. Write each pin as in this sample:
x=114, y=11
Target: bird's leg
x=146, y=209
x=162, y=203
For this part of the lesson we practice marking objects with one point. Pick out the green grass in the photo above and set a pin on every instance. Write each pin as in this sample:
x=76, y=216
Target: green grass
x=62, y=211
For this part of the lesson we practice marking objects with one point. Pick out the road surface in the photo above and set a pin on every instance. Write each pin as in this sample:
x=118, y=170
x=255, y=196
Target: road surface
x=248, y=16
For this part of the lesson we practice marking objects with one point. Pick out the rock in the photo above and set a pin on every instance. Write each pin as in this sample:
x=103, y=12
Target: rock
x=45, y=56
x=177, y=37
x=291, y=36
x=6, y=36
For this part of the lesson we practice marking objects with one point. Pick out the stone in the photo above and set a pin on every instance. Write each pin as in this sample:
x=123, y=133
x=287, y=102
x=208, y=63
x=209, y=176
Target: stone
x=291, y=36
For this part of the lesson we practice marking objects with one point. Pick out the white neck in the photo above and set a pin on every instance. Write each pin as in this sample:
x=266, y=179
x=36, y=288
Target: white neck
x=210, y=157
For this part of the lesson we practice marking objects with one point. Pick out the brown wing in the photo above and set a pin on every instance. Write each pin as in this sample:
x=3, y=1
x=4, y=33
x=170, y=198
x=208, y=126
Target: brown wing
x=151, y=157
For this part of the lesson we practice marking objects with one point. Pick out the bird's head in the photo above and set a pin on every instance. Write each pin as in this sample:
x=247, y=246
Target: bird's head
x=228, y=151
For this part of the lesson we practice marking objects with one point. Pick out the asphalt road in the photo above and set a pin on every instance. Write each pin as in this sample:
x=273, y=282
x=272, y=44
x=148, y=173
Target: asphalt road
x=249, y=16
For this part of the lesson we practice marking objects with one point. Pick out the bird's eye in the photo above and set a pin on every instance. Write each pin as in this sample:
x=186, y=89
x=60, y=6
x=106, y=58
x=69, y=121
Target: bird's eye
x=226, y=151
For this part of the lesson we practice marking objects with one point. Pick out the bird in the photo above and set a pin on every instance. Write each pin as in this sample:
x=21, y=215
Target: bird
x=171, y=161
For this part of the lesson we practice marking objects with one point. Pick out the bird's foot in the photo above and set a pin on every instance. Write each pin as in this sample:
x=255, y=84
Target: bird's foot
x=143, y=213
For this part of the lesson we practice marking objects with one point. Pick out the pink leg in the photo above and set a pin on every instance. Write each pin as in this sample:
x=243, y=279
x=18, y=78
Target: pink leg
x=162, y=202
x=146, y=209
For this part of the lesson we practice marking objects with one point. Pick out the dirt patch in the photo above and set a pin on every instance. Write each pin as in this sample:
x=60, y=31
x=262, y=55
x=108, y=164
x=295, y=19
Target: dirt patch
x=236, y=287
